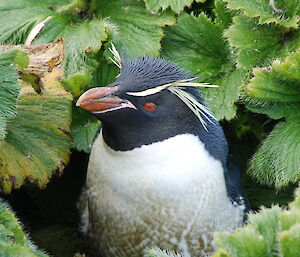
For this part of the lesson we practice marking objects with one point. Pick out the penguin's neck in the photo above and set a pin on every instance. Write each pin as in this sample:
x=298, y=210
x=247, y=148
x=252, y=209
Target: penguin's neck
x=120, y=138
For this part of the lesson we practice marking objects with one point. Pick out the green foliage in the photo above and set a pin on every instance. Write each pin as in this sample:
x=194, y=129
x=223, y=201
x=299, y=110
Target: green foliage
x=197, y=45
x=13, y=241
x=223, y=16
x=37, y=140
x=19, y=16
x=9, y=89
x=84, y=135
x=81, y=39
x=275, y=92
x=134, y=30
x=282, y=12
x=277, y=160
x=271, y=232
x=259, y=45
x=176, y=6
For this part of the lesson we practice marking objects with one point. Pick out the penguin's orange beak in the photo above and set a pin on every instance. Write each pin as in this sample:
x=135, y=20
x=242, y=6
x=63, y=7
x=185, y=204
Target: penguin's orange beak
x=101, y=99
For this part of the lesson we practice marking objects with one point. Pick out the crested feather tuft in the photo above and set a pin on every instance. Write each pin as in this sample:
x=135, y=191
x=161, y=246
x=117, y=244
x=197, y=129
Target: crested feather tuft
x=200, y=110
x=179, y=83
x=116, y=59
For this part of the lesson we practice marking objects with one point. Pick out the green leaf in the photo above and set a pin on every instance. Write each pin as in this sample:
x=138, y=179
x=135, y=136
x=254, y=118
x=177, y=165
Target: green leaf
x=176, y=6
x=288, y=218
x=13, y=241
x=282, y=12
x=221, y=100
x=269, y=233
x=135, y=31
x=21, y=59
x=223, y=15
x=244, y=242
x=9, y=89
x=76, y=83
x=38, y=138
x=276, y=91
x=17, y=17
x=81, y=40
x=196, y=44
x=259, y=45
x=267, y=223
x=290, y=241
x=74, y=7
x=277, y=160
x=84, y=135
x=105, y=73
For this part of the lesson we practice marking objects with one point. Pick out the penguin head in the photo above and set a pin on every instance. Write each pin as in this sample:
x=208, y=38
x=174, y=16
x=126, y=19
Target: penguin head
x=129, y=99
x=150, y=101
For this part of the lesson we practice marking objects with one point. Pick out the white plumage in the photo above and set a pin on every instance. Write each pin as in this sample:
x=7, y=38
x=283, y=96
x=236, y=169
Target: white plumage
x=169, y=194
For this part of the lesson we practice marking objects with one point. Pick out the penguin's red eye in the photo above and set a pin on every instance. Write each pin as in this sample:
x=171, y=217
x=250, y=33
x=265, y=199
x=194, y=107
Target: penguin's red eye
x=149, y=106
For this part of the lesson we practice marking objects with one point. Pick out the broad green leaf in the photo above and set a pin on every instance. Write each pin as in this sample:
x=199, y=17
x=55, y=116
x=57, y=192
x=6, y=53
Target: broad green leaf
x=196, y=44
x=76, y=83
x=135, y=31
x=81, y=40
x=223, y=15
x=9, y=89
x=276, y=91
x=84, y=128
x=38, y=138
x=84, y=135
x=17, y=17
x=259, y=45
x=176, y=6
x=13, y=241
x=290, y=241
x=105, y=74
x=277, y=160
x=221, y=100
x=282, y=12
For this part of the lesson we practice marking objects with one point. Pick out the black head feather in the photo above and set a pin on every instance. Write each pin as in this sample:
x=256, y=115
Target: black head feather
x=148, y=72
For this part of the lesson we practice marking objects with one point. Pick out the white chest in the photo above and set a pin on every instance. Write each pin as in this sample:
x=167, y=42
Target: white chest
x=174, y=186
x=173, y=165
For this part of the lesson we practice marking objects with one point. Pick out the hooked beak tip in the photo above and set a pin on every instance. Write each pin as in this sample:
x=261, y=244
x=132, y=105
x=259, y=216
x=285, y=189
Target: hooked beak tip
x=101, y=99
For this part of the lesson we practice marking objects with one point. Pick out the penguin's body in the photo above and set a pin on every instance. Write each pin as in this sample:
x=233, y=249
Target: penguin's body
x=157, y=176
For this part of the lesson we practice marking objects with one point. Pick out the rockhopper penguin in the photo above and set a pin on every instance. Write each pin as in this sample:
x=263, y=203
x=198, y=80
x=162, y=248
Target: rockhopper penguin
x=159, y=172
